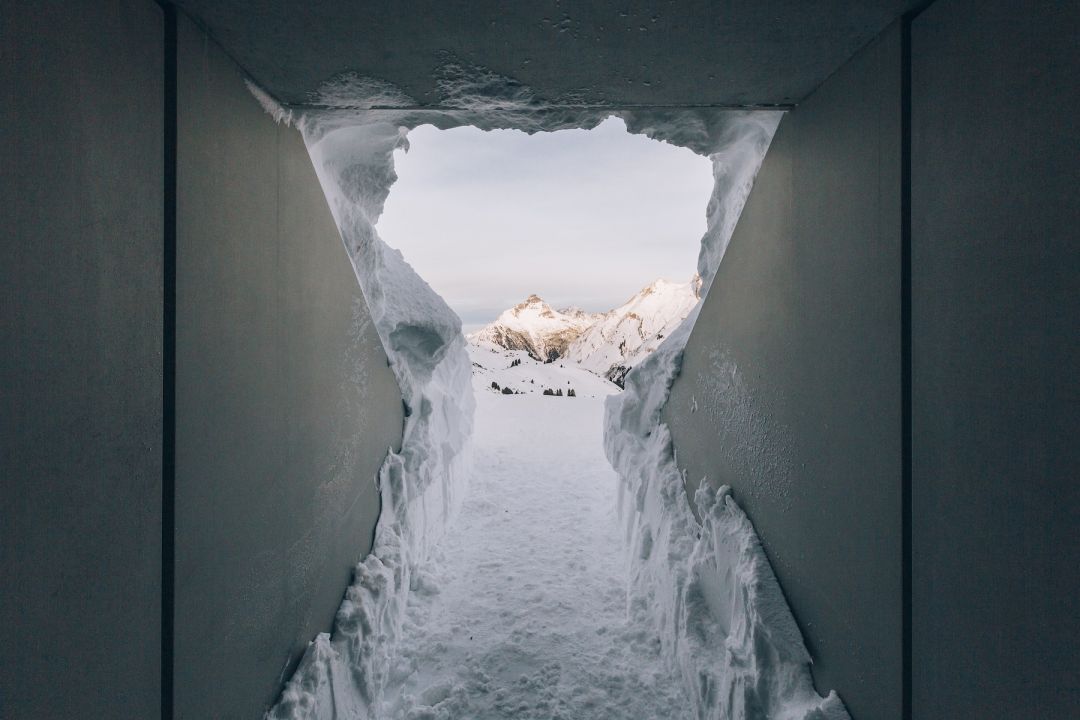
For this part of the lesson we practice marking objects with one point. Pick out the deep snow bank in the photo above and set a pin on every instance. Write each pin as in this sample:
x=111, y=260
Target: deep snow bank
x=707, y=589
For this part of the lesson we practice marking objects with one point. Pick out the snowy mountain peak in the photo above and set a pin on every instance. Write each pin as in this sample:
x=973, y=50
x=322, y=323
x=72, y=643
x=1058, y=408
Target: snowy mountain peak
x=663, y=285
x=533, y=326
x=608, y=344
x=623, y=337
x=652, y=287
x=533, y=300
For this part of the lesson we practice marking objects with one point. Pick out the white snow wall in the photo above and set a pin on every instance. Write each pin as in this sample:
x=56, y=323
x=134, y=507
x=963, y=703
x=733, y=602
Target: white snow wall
x=707, y=590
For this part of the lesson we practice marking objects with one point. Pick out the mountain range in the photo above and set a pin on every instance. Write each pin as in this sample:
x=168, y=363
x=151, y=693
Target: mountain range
x=607, y=343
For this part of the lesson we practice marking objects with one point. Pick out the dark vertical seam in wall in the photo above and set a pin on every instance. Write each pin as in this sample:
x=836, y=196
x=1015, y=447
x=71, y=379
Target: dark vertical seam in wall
x=905, y=351
x=278, y=290
x=168, y=448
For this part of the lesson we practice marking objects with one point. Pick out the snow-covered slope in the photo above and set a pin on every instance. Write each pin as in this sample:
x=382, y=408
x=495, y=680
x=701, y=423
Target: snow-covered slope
x=536, y=328
x=606, y=344
x=516, y=370
x=623, y=337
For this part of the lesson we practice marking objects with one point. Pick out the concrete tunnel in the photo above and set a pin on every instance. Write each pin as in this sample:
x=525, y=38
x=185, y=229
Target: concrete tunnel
x=188, y=458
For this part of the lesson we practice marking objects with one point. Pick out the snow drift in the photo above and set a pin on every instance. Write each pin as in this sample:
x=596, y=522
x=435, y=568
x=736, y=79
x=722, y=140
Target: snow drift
x=705, y=588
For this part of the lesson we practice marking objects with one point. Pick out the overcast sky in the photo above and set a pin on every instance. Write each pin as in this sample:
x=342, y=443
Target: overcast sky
x=583, y=218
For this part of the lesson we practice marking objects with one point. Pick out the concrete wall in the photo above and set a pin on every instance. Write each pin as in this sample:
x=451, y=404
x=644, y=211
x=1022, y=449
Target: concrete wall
x=791, y=388
x=996, y=403
x=80, y=356
x=285, y=403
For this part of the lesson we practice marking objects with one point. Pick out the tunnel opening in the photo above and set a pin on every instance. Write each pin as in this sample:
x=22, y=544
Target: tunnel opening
x=697, y=582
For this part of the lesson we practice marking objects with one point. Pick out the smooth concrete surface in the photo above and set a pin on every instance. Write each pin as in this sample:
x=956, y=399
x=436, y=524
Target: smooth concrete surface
x=80, y=359
x=642, y=52
x=996, y=426
x=790, y=389
x=285, y=404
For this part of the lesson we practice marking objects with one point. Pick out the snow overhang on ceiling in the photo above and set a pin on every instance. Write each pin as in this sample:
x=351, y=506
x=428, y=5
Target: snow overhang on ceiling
x=695, y=52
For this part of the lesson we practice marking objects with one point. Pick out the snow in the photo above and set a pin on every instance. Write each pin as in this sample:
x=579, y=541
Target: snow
x=342, y=674
x=607, y=343
x=495, y=364
x=533, y=326
x=624, y=337
x=706, y=589
x=535, y=580
x=521, y=612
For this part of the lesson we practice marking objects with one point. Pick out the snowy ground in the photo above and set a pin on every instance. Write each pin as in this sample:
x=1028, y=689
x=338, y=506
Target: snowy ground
x=491, y=363
x=522, y=611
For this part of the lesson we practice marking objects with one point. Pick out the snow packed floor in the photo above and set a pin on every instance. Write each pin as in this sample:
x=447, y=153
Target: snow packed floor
x=521, y=612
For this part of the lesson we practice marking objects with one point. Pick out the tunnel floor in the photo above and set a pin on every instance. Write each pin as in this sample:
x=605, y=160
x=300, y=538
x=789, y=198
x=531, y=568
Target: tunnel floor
x=522, y=611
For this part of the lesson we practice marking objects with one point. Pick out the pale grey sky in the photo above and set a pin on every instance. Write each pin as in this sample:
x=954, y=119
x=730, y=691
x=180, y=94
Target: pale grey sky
x=578, y=217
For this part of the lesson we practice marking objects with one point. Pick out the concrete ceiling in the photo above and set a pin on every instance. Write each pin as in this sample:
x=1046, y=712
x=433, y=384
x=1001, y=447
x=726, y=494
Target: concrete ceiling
x=679, y=52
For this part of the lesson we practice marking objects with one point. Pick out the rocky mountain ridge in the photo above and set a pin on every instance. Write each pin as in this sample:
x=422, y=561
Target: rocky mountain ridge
x=607, y=344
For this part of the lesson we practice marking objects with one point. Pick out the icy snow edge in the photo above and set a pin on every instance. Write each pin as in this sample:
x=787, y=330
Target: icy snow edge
x=707, y=588
x=343, y=674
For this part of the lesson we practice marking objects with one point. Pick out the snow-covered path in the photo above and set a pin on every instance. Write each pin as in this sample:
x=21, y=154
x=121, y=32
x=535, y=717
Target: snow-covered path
x=521, y=613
